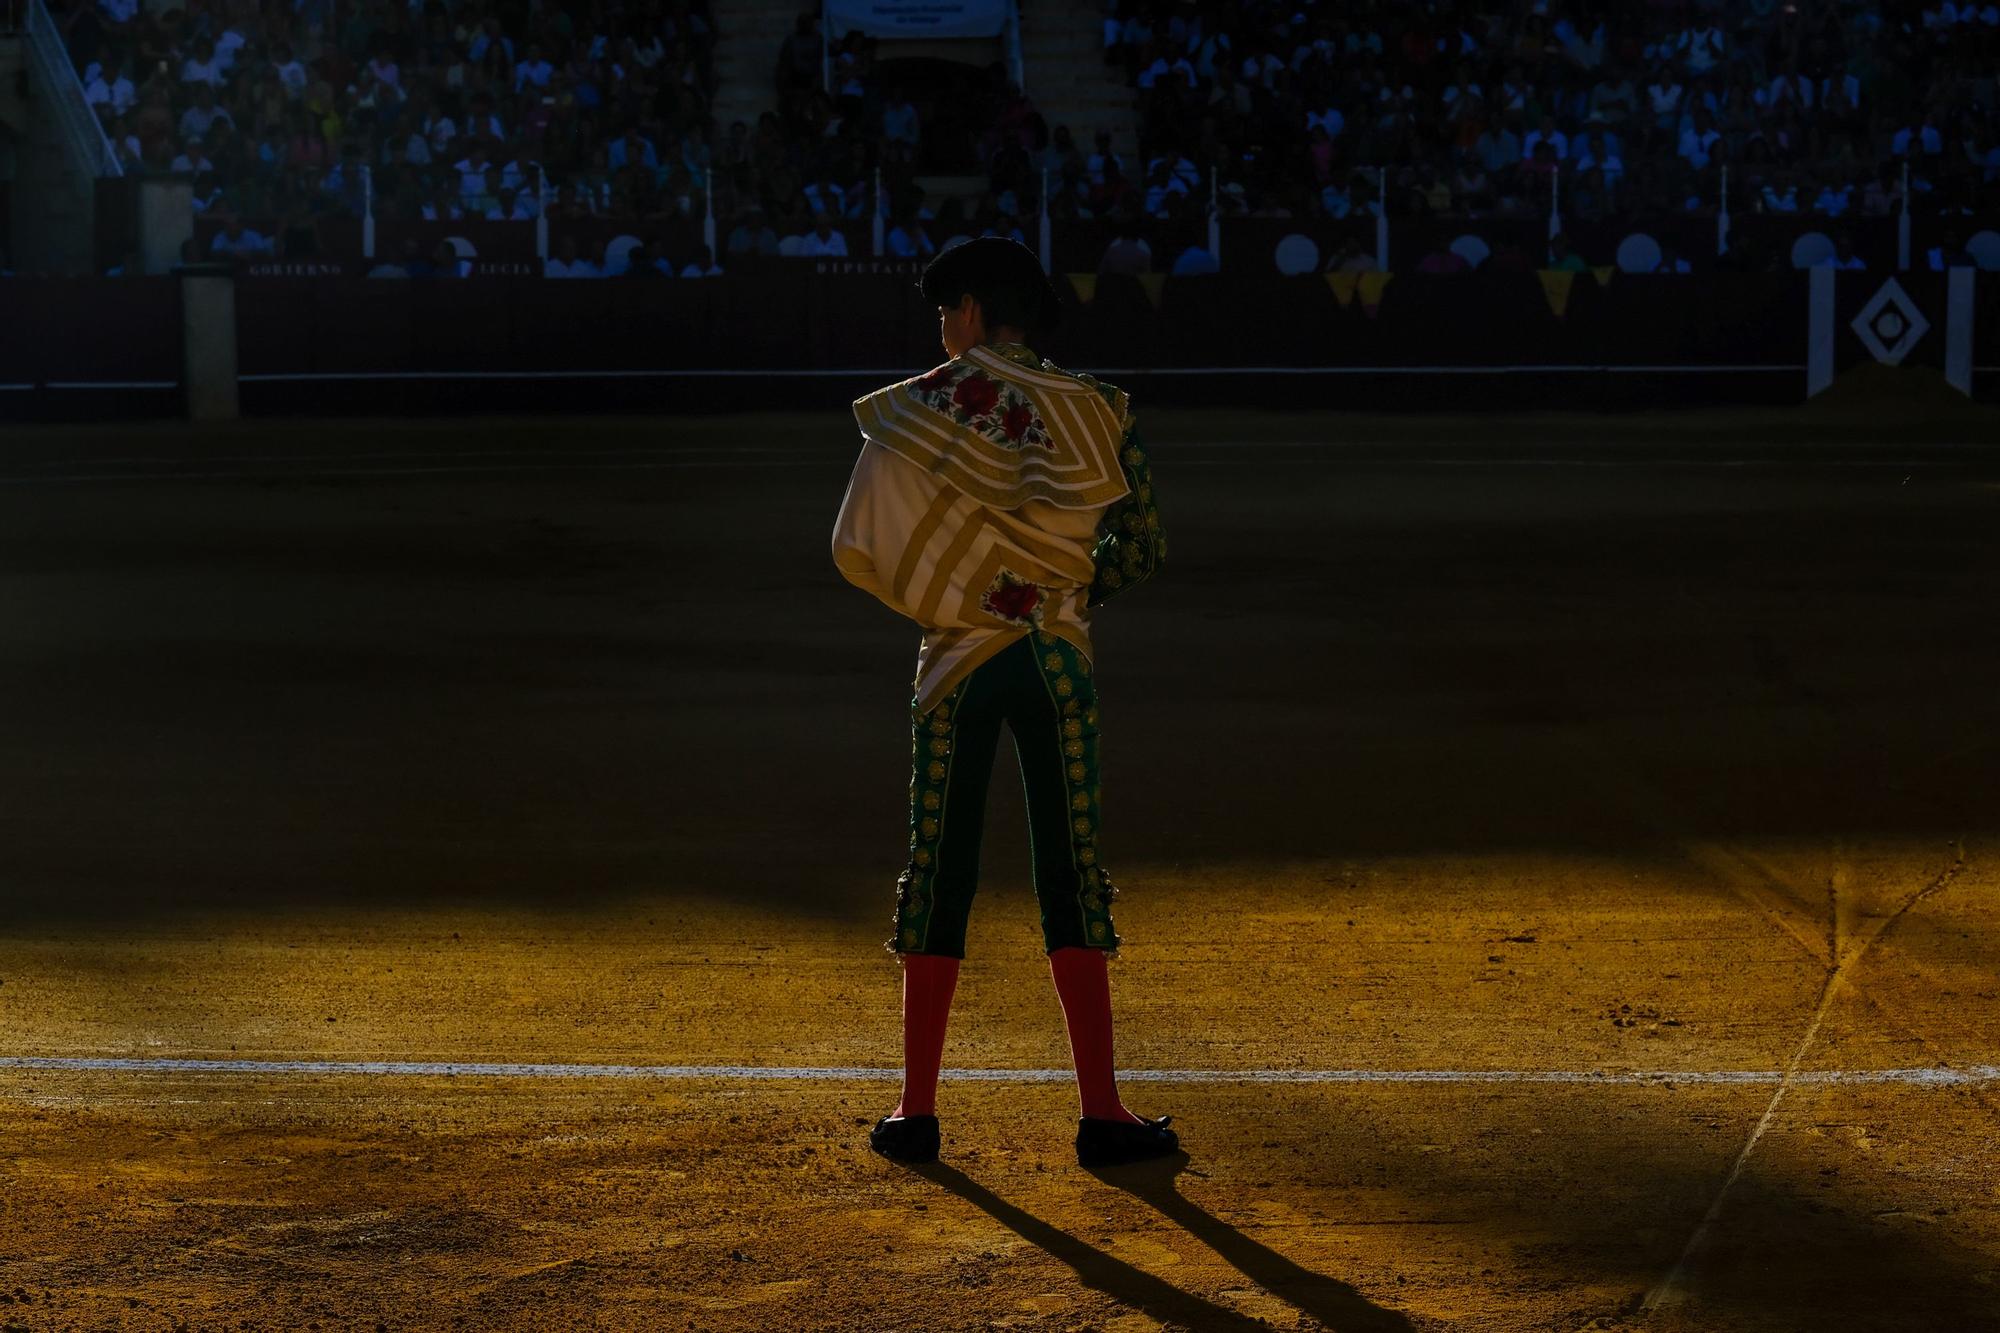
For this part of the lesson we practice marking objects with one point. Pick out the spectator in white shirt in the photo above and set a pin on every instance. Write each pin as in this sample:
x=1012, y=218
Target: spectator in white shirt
x=1929, y=142
x=534, y=72
x=1164, y=190
x=1162, y=68
x=824, y=240
x=1663, y=97
x=823, y=196
x=202, y=66
x=227, y=44
x=1698, y=140
x=204, y=115
x=908, y=240
x=567, y=263
x=290, y=72
x=239, y=241
x=1833, y=200
x=472, y=169
x=1700, y=48
x=442, y=206
x=441, y=130
x=1792, y=87
x=752, y=236
x=1780, y=196
x=489, y=35
x=1546, y=133
x=112, y=92
x=899, y=122
x=1843, y=255
x=1613, y=100
x=192, y=160
x=633, y=148
x=511, y=205
x=1598, y=151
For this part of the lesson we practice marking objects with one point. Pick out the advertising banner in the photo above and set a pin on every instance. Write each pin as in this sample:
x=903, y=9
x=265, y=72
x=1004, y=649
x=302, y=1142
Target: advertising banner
x=917, y=18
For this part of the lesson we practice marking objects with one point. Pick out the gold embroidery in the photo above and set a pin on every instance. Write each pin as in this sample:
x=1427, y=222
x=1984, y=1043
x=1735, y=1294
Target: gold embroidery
x=1082, y=828
x=1080, y=801
x=931, y=801
x=1064, y=687
x=1088, y=856
x=940, y=746
x=1074, y=749
x=929, y=827
x=922, y=857
x=1053, y=661
x=1076, y=772
x=1072, y=727
x=936, y=771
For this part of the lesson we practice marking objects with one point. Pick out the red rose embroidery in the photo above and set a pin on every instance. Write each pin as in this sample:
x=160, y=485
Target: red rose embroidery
x=1019, y=417
x=1014, y=601
x=976, y=394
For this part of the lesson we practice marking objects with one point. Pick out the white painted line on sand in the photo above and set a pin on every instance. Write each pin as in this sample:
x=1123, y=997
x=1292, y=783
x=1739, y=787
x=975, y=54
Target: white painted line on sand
x=1969, y=1074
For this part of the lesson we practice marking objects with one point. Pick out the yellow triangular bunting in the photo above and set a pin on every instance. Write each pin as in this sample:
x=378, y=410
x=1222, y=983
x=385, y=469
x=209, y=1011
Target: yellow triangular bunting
x=1372, y=283
x=1604, y=272
x=1152, y=282
x=1084, y=285
x=1556, y=283
x=1342, y=284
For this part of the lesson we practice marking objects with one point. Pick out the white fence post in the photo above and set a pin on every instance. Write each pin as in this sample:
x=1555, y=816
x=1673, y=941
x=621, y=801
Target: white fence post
x=875, y=224
x=1214, y=221
x=1382, y=218
x=1903, y=223
x=541, y=213
x=1722, y=215
x=1045, y=235
x=708, y=213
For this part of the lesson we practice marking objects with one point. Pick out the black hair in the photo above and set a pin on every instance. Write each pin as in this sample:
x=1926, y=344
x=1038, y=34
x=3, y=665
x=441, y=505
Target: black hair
x=1003, y=275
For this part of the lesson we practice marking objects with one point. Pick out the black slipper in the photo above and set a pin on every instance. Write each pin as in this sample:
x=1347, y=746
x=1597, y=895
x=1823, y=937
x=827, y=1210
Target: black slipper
x=1117, y=1142
x=912, y=1138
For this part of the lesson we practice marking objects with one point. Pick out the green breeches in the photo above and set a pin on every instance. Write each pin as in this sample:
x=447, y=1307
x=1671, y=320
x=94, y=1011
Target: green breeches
x=1040, y=687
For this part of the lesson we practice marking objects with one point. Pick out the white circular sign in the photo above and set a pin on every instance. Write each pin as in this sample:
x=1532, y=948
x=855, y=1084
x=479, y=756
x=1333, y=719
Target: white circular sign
x=1296, y=253
x=1638, y=253
x=1810, y=249
x=1471, y=249
x=1984, y=247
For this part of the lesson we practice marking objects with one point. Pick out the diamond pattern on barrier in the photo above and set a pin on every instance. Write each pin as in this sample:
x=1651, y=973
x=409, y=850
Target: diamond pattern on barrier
x=1889, y=334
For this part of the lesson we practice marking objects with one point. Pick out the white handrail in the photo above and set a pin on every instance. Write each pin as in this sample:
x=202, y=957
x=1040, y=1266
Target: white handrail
x=57, y=75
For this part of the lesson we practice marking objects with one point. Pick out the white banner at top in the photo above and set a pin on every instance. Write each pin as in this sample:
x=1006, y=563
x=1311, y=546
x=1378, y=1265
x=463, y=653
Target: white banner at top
x=917, y=18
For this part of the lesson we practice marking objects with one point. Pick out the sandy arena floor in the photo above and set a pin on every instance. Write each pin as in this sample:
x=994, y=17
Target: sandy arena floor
x=1560, y=865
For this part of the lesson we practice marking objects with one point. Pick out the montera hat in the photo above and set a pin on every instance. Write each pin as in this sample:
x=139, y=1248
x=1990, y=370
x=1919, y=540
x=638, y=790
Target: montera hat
x=1004, y=274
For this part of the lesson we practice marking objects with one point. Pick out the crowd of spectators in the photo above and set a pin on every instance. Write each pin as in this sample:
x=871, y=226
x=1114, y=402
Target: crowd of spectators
x=1481, y=110
x=502, y=110
x=486, y=109
x=809, y=169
